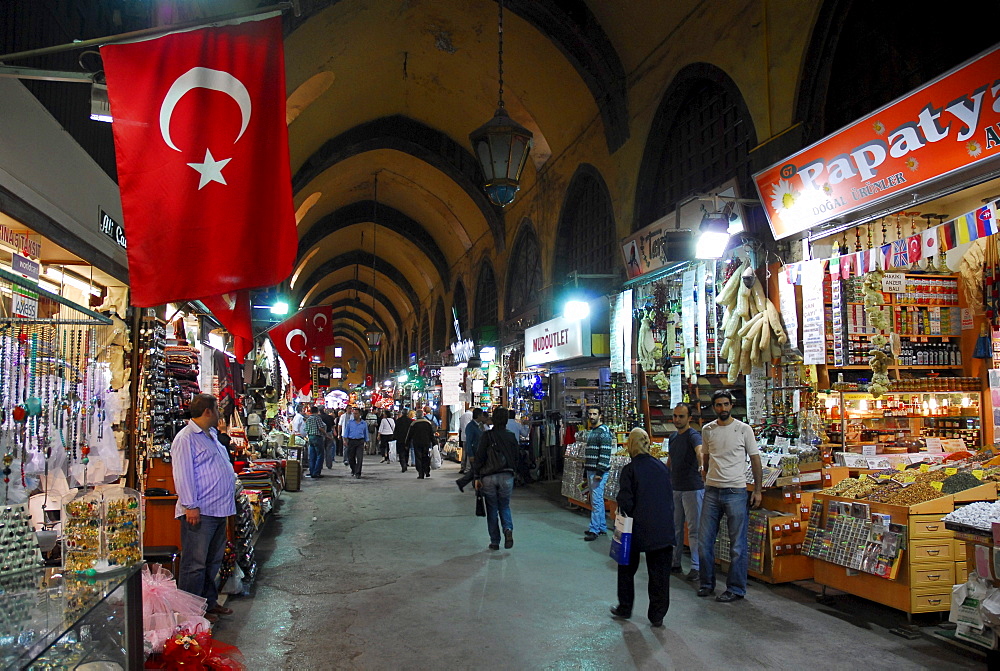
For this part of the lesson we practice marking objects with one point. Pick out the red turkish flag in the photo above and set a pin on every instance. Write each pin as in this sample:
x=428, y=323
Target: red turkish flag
x=914, y=247
x=291, y=341
x=202, y=154
x=233, y=311
x=320, y=331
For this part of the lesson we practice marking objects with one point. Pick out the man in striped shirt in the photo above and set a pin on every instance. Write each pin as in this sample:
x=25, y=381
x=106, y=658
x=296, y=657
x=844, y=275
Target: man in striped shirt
x=316, y=434
x=206, y=496
x=596, y=464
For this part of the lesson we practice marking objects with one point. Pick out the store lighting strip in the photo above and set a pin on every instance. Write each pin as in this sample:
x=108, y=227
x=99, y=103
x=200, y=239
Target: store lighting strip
x=66, y=278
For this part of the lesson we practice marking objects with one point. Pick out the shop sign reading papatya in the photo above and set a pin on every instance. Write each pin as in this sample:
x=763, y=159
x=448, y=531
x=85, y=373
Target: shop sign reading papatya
x=947, y=125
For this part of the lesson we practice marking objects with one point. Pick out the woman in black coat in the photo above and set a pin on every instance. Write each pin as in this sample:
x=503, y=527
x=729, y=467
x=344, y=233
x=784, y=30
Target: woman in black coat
x=646, y=496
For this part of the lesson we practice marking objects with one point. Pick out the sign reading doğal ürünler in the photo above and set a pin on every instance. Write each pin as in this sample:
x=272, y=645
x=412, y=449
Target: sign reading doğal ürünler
x=556, y=340
x=113, y=230
x=946, y=126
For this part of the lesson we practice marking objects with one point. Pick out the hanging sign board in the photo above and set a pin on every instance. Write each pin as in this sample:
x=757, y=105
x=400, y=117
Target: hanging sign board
x=656, y=246
x=451, y=385
x=813, y=318
x=25, y=303
x=25, y=267
x=894, y=283
x=950, y=124
x=556, y=340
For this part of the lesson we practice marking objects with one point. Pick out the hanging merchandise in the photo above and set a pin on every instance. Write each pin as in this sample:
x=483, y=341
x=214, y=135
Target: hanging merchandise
x=752, y=326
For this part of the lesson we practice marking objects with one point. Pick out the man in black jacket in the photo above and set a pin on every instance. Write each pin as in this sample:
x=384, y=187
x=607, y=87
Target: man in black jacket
x=496, y=457
x=402, y=447
x=421, y=436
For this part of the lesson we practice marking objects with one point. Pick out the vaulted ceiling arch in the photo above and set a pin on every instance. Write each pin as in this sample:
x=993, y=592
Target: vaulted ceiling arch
x=360, y=287
x=412, y=137
x=366, y=211
x=362, y=259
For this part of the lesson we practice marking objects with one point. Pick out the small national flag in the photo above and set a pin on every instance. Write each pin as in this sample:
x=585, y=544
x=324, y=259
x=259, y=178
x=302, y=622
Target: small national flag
x=914, y=247
x=869, y=260
x=965, y=228
x=847, y=266
x=986, y=223
x=946, y=236
x=860, y=263
x=795, y=274
x=930, y=242
x=834, y=267
x=885, y=257
x=900, y=256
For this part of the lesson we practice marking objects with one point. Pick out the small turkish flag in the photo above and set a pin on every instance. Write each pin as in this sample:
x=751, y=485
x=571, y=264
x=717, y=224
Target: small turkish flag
x=202, y=153
x=291, y=341
x=914, y=248
x=233, y=312
x=320, y=328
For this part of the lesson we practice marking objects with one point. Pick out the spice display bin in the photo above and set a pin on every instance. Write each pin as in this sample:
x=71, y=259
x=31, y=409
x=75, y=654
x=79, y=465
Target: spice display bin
x=928, y=563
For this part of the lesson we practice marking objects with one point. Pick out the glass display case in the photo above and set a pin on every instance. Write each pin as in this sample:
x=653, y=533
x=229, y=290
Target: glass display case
x=903, y=421
x=50, y=620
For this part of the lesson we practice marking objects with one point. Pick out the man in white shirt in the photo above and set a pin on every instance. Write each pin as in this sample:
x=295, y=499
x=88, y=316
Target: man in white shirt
x=341, y=426
x=299, y=424
x=727, y=442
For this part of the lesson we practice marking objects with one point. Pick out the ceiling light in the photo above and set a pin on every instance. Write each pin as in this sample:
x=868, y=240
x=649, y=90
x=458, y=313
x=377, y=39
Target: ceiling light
x=100, y=107
x=66, y=278
x=714, y=236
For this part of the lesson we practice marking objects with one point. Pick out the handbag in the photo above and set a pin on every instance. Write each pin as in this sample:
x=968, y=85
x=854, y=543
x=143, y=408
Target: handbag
x=621, y=542
x=480, y=505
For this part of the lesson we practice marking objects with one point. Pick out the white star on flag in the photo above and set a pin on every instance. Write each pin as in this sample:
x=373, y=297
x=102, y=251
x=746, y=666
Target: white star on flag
x=302, y=354
x=210, y=170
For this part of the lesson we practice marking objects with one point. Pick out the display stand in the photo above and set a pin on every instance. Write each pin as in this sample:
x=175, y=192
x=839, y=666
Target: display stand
x=928, y=563
x=49, y=614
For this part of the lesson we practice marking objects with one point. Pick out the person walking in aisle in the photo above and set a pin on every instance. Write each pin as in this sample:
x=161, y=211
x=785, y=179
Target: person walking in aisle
x=596, y=464
x=420, y=436
x=341, y=426
x=205, y=484
x=331, y=440
x=316, y=433
x=473, y=434
x=727, y=444
x=402, y=429
x=463, y=423
x=386, y=429
x=686, y=476
x=496, y=456
x=356, y=433
x=645, y=495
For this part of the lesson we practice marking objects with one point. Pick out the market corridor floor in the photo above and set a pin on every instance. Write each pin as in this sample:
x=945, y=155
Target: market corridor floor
x=392, y=572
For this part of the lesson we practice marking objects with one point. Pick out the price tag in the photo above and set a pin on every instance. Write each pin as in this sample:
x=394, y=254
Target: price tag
x=978, y=473
x=924, y=468
x=900, y=466
x=937, y=485
x=950, y=471
x=883, y=477
x=868, y=450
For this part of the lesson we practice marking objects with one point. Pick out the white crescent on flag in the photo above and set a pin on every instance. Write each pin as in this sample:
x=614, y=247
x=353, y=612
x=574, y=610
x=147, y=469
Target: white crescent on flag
x=305, y=342
x=204, y=78
x=326, y=320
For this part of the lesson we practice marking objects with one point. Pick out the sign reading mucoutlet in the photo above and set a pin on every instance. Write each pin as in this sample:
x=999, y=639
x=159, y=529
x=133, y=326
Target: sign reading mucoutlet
x=556, y=340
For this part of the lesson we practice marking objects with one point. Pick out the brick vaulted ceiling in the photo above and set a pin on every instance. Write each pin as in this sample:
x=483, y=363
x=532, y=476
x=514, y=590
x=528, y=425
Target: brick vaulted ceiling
x=389, y=90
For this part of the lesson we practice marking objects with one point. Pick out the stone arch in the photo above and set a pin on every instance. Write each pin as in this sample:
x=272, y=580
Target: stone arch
x=701, y=136
x=486, y=312
x=587, y=237
x=524, y=271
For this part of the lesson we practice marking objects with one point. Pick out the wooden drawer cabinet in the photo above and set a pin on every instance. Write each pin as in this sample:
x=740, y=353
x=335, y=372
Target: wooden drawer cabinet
x=922, y=526
x=928, y=576
x=929, y=602
x=961, y=572
x=931, y=550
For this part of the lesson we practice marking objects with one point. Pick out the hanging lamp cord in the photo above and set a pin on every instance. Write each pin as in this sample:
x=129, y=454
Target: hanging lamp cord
x=500, y=51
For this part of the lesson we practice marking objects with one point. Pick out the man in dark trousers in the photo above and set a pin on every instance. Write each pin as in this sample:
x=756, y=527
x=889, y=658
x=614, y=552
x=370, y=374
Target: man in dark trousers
x=473, y=433
x=402, y=429
x=686, y=476
x=204, y=480
x=421, y=436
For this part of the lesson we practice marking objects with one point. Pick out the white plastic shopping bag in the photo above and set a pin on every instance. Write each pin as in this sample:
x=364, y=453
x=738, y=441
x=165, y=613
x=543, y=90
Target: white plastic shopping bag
x=621, y=542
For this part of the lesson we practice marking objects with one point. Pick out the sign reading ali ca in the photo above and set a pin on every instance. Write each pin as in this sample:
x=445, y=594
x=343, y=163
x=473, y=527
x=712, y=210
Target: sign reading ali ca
x=949, y=124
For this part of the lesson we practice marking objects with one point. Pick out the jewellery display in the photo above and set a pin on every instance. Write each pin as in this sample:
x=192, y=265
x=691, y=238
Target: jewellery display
x=102, y=531
x=18, y=543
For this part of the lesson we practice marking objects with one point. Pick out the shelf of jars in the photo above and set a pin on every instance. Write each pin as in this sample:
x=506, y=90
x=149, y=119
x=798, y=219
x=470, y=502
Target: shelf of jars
x=900, y=426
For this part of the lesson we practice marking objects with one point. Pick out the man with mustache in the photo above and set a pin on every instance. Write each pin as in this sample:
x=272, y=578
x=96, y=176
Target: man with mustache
x=727, y=442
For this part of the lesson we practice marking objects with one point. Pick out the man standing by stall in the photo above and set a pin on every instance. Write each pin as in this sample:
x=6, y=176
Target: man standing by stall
x=402, y=429
x=688, y=485
x=596, y=464
x=421, y=436
x=205, y=484
x=316, y=435
x=727, y=444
